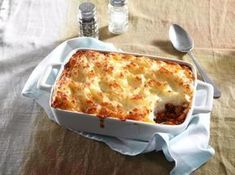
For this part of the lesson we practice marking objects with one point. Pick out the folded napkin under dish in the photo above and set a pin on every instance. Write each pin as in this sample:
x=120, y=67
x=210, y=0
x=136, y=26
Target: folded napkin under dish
x=182, y=148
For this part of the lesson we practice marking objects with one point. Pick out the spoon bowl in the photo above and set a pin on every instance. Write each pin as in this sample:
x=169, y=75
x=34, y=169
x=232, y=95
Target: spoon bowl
x=180, y=39
x=182, y=42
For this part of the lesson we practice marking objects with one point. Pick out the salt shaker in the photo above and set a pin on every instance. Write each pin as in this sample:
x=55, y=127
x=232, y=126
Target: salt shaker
x=88, y=20
x=118, y=16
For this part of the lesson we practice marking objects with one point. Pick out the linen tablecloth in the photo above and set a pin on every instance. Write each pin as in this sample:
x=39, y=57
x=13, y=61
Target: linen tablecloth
x=29, y=30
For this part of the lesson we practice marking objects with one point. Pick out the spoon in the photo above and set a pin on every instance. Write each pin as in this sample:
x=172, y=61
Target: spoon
x=182, y=42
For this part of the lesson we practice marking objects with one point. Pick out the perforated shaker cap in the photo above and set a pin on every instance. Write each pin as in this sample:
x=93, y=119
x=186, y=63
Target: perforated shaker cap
x=118, y=3
x=87, y=10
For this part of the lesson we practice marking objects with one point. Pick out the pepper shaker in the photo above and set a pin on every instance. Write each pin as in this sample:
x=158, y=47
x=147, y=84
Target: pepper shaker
x=118, y=16
x=88, y=20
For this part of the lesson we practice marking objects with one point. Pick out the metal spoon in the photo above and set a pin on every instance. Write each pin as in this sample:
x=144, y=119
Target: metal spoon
x=184, y=43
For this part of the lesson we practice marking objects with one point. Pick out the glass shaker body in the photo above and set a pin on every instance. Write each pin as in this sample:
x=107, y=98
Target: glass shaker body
x=88, y=24
x=118, y=17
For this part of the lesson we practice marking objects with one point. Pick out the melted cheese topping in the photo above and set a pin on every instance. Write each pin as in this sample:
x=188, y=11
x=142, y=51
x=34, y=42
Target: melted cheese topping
x=121, y=86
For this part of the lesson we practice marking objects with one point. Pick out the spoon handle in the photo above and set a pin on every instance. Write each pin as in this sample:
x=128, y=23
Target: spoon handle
x=205, y=77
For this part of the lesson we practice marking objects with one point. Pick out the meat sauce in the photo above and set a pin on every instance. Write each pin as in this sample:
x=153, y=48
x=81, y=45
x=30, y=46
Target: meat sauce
x=172, y=115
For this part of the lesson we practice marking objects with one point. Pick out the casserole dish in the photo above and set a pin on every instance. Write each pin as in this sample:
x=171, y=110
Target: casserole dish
x=132, y=129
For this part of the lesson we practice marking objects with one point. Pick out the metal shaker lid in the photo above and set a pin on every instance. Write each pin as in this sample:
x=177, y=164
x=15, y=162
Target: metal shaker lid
x=118, y=3
x=87, y=10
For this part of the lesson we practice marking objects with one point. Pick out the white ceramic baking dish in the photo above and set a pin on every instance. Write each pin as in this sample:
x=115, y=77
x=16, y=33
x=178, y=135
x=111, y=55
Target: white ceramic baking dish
x=114, y=127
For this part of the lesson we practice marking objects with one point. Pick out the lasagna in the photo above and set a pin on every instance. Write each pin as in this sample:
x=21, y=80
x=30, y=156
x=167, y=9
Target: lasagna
x=125, y=86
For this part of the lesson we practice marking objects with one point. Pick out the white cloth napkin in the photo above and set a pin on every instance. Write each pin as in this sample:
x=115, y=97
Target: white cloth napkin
x=189, y=149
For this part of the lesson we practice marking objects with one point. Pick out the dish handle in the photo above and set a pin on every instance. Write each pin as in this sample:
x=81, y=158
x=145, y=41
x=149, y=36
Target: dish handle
x=203, y=101
x=43, y=80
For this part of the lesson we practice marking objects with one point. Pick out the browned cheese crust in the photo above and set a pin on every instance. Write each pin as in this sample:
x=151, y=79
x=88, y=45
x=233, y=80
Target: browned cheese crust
x=124, y=86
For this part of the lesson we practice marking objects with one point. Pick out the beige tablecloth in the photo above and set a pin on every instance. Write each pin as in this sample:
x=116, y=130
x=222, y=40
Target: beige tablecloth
x=32, y=144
